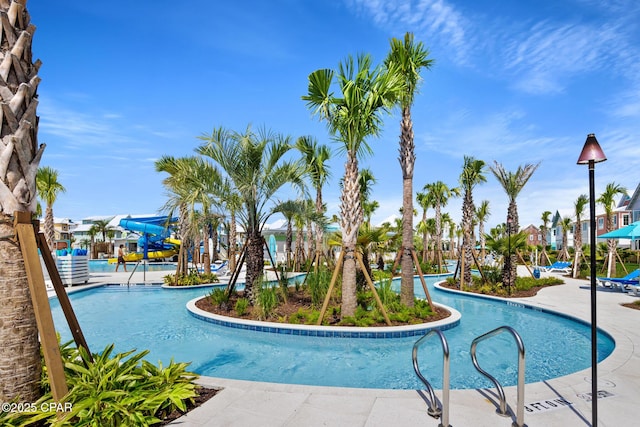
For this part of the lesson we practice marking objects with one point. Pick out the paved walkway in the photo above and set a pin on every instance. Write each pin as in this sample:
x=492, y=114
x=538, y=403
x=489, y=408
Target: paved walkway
x=245, y=403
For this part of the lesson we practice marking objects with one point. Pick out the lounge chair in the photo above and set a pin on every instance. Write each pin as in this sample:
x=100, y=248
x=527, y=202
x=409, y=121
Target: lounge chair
x=557, y=267
x=629, y=279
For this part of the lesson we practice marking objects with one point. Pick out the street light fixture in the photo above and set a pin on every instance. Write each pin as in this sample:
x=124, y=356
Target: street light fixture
x=590, y=155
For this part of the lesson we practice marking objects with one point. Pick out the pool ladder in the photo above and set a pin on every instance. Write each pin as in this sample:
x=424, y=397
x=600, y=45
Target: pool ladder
x=443, y=411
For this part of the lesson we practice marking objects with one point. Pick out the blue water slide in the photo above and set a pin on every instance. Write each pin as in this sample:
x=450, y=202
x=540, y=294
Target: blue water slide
x=153, y=230
x=150, y=225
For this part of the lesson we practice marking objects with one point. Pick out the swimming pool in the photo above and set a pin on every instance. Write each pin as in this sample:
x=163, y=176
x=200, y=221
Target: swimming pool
x=147, y=317
x=103, y=266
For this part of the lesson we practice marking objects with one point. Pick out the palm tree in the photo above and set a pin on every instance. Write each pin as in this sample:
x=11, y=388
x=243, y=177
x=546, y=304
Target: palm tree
x=21, y=154
x=177, y=185
x=48, y=188
x=482, y=213
x=366, y=93
x=473, y=173
x=580, y=205
x=288, y=209
x=440, y=194
x=565, y=224
x=256, y=166
x=607, y=201
x=408, y=59
x=425, y=200
x=544, y=229
x=316, y=158
x=512, y=183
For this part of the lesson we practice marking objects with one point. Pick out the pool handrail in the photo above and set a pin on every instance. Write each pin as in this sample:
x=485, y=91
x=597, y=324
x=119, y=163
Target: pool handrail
x=433, y=410
x=502, y=410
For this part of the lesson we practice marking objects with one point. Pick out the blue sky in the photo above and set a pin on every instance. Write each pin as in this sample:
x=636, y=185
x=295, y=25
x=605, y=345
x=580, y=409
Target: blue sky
x=515, y=82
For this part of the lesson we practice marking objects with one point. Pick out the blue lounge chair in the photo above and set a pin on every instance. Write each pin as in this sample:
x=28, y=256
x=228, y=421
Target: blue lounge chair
x=558, y=267
x=629, y=279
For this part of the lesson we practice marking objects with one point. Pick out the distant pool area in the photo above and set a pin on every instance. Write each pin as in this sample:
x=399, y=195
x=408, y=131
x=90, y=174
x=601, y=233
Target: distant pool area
x=148, y=317
x=103, y=266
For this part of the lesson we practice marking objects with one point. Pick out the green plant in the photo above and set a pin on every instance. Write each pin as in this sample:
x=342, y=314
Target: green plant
x=266, y=301
x=218, y=297
x=191, y=279
x=113, y=390
x=318, y=283
x=241, y=306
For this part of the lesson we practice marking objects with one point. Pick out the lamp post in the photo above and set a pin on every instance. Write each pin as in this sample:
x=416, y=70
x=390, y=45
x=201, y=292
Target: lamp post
x=590, y=155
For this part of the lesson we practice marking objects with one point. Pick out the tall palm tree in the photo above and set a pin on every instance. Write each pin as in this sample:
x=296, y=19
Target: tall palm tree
x=544, y=229
x=440, y=195
x=48, y=188
x=256, y=165
x=21, y=154
x=288, y=209
x=408, y=58
x=316, y=158
x=366, y=93
x=565, y=225
x=482, y=213
x=473, y=173
x=425, y=200
x=512, y=183
x=607, y=200
x=579, y=205
x=178, y=186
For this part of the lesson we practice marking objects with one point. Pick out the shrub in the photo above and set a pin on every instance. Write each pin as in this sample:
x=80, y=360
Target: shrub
x=241, y=306
x=266, y=301
x=117, y=390
x=191, y=279
x=218, y=297
x=318, y=283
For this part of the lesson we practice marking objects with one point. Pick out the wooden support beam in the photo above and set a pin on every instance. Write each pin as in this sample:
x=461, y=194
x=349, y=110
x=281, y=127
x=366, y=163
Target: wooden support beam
x=63, y=298
x=48, y=339
x=424, y=284
x=373, y=288
x=325, y=304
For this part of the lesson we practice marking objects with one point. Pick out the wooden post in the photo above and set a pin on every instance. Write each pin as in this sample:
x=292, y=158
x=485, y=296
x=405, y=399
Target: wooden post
x=44, y=319
x=325, y=304
x=63, y=298
x=424, y=284
x=525, y=264
x=373, y=288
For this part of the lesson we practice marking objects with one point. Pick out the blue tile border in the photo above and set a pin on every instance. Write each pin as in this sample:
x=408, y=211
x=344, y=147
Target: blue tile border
x=326, y=331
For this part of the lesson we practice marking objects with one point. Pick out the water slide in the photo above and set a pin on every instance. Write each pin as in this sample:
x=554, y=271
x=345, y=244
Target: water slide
x=155, y=241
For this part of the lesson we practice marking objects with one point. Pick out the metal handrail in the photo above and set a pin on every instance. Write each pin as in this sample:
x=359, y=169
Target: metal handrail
x=521, y=356
x=433, y=410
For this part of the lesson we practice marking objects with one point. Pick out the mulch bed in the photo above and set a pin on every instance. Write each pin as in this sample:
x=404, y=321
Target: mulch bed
x=295, y=301
x=514, y=292
x=204, y=394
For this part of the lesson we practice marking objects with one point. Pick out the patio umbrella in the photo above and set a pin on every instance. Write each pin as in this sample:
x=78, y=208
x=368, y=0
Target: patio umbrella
x=631, y=231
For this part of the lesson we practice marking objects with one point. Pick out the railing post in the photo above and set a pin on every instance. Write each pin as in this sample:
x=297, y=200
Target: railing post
x=521, y=367
x=433, y=410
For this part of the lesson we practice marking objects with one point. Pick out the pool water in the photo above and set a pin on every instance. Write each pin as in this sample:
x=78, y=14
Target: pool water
x=102, y=266
x=148, y=317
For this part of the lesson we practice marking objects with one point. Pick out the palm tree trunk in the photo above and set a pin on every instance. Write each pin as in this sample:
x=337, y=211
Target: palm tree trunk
x=206, y=259
x=406, y=263
x=351, y=213
x=49, y=232
x=20, y=349
x=319, y=229
x=255, y=263
x=232, y=247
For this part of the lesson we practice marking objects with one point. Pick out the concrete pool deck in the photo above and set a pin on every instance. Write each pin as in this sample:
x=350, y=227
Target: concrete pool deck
x=245, y=403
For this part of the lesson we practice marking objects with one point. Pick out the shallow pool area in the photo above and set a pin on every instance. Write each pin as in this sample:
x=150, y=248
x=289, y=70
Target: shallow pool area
x=148, y=317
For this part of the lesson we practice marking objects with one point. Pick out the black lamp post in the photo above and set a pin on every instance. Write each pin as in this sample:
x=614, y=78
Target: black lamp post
x=592, y=154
